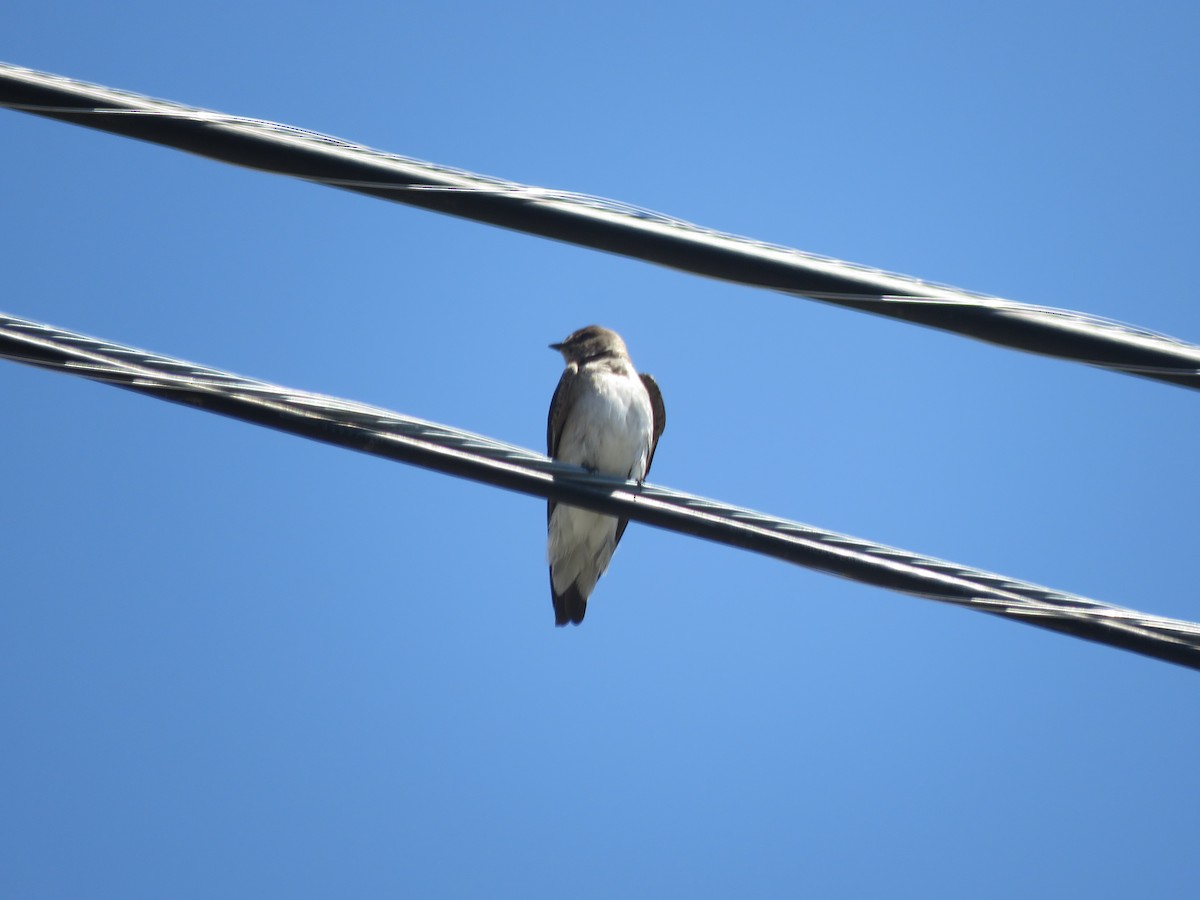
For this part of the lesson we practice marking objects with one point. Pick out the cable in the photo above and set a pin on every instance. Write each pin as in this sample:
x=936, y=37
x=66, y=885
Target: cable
x=391, y=435
x=604, y=225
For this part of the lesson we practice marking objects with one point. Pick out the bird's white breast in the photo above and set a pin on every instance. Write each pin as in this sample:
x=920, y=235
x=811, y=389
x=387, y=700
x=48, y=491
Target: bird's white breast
x=609, y=426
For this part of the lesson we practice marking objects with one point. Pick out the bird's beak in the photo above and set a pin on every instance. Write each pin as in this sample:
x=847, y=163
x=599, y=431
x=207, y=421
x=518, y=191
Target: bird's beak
x=557, y=347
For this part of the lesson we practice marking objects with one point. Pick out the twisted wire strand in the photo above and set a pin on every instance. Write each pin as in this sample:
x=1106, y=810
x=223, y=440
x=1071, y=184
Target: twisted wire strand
x=391, y=435
x=603, y=224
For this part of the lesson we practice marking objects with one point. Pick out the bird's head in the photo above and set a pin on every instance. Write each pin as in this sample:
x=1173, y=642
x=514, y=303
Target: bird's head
x=589, y=343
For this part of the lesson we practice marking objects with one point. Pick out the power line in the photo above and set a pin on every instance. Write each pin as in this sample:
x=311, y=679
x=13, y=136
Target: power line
x=388, y=434
x=602, y=224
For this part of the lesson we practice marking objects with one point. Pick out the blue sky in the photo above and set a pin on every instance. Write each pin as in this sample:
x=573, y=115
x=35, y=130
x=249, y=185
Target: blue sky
x=234, y=663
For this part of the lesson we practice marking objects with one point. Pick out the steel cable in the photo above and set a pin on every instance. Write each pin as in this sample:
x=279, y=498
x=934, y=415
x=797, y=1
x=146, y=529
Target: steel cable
x=603, y=224
x=449, y=450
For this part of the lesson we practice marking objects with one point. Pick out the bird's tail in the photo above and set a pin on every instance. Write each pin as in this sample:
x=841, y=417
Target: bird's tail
x=569, y=606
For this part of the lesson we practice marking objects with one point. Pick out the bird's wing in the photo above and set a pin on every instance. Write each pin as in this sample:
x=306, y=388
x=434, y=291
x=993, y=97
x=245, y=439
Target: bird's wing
x=660, y=416
x=660, y=424
x=570, y=605
x=560, y=405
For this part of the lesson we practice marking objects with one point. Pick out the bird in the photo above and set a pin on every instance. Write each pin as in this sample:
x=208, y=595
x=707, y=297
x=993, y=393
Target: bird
x=607, y=418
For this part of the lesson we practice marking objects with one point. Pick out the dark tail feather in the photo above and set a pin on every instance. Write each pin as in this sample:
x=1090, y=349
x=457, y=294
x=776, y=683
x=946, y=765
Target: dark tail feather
x=569, y=606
